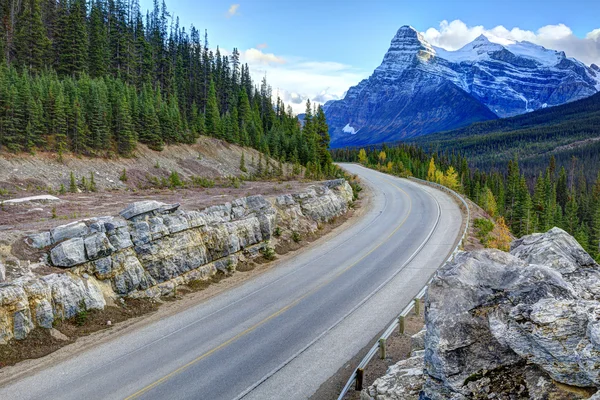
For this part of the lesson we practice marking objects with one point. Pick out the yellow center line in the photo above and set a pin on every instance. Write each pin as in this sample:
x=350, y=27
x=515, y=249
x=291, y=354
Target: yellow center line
x=277, y=313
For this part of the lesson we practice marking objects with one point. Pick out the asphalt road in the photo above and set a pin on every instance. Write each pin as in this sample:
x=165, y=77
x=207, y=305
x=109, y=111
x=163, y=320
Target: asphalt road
x=282, y=334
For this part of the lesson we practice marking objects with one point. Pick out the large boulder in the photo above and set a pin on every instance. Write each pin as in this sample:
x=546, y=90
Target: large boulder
x=69, y=231
x=69, y=253
x=489, y=313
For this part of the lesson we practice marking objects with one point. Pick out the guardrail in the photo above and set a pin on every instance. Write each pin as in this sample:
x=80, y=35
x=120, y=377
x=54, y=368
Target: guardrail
x=357, y=376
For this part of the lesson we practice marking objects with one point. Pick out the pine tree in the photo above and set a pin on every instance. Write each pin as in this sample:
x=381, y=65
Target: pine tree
x=98, y=42
x=31, y=41
x=213, y=120
x=72, y=183
x=72, y=40
x=123, y=127
x=571, y=221
x=243, y=163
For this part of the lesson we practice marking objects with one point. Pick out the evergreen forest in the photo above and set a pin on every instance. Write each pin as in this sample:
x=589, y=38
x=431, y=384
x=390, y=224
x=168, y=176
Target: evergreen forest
x=98, y=77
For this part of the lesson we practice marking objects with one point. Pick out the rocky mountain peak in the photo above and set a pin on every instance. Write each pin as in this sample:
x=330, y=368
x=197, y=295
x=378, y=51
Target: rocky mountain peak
x=420, y=89
x=406, y=49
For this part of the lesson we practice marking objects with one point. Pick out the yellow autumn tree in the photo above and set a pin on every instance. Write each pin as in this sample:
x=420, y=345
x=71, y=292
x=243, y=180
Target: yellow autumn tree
x=501, y=236
x=450, y=179
x=382, y=157
x=362, y=156
x=431, y=171
x=390, y=166
x=488, y=202
x=439, y=177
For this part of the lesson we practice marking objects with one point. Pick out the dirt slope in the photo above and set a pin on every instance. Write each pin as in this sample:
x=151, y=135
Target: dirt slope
x=42, y=172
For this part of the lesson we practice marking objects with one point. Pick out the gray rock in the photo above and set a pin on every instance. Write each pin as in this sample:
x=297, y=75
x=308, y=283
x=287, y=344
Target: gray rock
x=22, y=324
x=69, y=253
x=40, y=240
x=141, y=207
x=140, y=233
x=169, y=208
x=71, y=294
x=556, y=249
x=69, y=231
x=176, y=223
x=2, y=272
x=489, y=311
x=403, y=381
x=103, y=268
x=97, y=245
x=417, y=341
x=120, y=238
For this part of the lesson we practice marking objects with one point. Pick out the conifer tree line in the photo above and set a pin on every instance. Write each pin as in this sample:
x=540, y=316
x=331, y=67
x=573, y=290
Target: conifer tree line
x=97, y=77
x=554, y=197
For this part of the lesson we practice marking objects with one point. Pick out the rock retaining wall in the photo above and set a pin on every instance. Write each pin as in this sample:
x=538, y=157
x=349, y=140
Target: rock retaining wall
x=151, y=248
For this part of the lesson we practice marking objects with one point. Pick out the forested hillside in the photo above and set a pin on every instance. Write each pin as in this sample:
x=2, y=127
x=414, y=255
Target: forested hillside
x=567, y=131
x=97, y=77
x=554, y=197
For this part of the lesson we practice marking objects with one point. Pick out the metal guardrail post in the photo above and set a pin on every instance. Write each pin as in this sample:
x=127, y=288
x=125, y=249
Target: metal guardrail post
x=418, y=306
x=382, y=349
x=401, y=324
x=360, y=376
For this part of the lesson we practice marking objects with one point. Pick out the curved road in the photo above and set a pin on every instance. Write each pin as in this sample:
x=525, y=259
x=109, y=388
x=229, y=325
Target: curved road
x=285, y=332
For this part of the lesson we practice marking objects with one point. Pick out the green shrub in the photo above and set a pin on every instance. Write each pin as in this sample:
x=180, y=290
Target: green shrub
x=123, y=177
x=484, y=228
x=82, y=315
x=199, y=181
x=268, y=253
x=174, y=180
x=72, y=183
x=296, y=237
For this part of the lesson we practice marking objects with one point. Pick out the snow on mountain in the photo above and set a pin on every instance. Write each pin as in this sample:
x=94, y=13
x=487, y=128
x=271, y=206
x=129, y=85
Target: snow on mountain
x=419, y=88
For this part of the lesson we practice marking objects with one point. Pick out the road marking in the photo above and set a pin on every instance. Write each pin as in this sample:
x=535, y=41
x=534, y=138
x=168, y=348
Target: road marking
x=356, y=307
x=274, y=315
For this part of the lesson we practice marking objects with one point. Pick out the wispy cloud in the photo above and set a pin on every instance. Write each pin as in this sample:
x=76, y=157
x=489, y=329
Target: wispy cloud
x=257, y=57
x=233, y=10
x=262, y=46
x=453, y=35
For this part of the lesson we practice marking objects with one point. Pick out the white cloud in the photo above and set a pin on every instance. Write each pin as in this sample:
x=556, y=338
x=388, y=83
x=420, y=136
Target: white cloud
x=453, y=35
x=297, y=79
x=256, y=56
x=233, y=10
x=262, y=46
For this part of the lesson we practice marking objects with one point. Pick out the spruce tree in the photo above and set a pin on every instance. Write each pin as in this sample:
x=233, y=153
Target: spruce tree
x=98, y=41
x=31, y=41
x=213, y=119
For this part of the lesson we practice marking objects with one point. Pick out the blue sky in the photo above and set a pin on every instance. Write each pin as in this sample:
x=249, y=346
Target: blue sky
x=317, y=49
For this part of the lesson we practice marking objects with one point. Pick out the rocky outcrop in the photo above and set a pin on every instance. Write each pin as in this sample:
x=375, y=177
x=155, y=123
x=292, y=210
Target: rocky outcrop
x=533, y=311
x=153, y=247
x=518, y=325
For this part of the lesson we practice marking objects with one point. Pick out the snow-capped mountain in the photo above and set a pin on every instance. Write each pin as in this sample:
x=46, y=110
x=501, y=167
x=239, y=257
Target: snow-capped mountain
x=420, y=89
